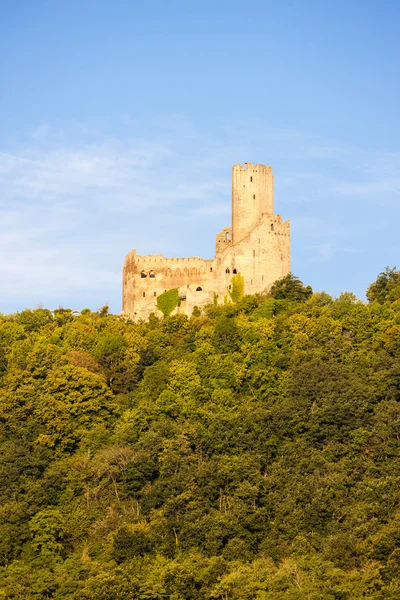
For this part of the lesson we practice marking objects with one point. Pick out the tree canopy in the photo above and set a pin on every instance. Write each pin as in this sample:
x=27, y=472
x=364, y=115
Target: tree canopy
x=290, y=288
x=386, y=287
x=250, y=451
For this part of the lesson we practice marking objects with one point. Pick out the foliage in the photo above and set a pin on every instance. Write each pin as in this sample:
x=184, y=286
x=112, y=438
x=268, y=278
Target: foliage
x=196, y=311
x=168, y=301
x=290, y=288
x=237, y=292
x=247, y=452
x=386, y=286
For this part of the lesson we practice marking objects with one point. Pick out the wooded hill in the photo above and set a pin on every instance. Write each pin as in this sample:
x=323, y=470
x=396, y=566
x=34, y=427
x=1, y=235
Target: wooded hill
x=250, y=452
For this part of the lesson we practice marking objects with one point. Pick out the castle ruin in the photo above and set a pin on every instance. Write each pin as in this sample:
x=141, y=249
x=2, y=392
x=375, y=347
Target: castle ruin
x=256, y=246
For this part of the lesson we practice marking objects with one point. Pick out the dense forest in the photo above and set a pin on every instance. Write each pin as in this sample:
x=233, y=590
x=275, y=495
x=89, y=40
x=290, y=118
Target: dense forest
x=247, y=452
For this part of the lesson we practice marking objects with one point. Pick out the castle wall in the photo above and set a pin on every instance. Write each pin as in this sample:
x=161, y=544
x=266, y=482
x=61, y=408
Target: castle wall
x=262, y=256
x=147, y=277
x=257, y=246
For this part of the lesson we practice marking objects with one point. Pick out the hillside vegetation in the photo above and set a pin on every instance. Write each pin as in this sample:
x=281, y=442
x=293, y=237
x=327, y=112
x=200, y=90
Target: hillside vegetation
x=250, y=452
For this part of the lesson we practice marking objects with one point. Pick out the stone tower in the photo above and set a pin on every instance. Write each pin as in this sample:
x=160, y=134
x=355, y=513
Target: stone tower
x=257, y=246
x=252, y=196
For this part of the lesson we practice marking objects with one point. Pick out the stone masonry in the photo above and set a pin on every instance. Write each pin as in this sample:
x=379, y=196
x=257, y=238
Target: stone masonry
x=257, y=246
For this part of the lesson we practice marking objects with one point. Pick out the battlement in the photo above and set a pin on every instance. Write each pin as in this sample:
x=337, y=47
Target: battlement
x=248, y=166
x=160, y=259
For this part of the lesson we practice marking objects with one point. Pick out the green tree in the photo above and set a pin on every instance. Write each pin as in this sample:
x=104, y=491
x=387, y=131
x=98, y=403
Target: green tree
x=290, y=288
x=386, y=286
x=237, y=292
x=226, y=334
x=48, y=533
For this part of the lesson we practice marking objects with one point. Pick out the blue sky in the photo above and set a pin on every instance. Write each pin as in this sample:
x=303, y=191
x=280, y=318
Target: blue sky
x=120, y=121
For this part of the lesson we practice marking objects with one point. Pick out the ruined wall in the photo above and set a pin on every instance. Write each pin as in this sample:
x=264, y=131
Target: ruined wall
x=257, y=246
x=146, y=277
x=223, y=239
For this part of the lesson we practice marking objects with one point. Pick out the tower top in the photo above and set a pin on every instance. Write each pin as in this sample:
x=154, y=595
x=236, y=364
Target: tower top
x=249, y=166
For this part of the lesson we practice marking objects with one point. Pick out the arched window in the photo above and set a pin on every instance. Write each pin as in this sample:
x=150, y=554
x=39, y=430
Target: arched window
x=227, y=236
x=272, y=226
x=202, y=269
x=152, y=274
x=227, y=270
x=234, y=271
x=199, y=289
x=143, y=275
